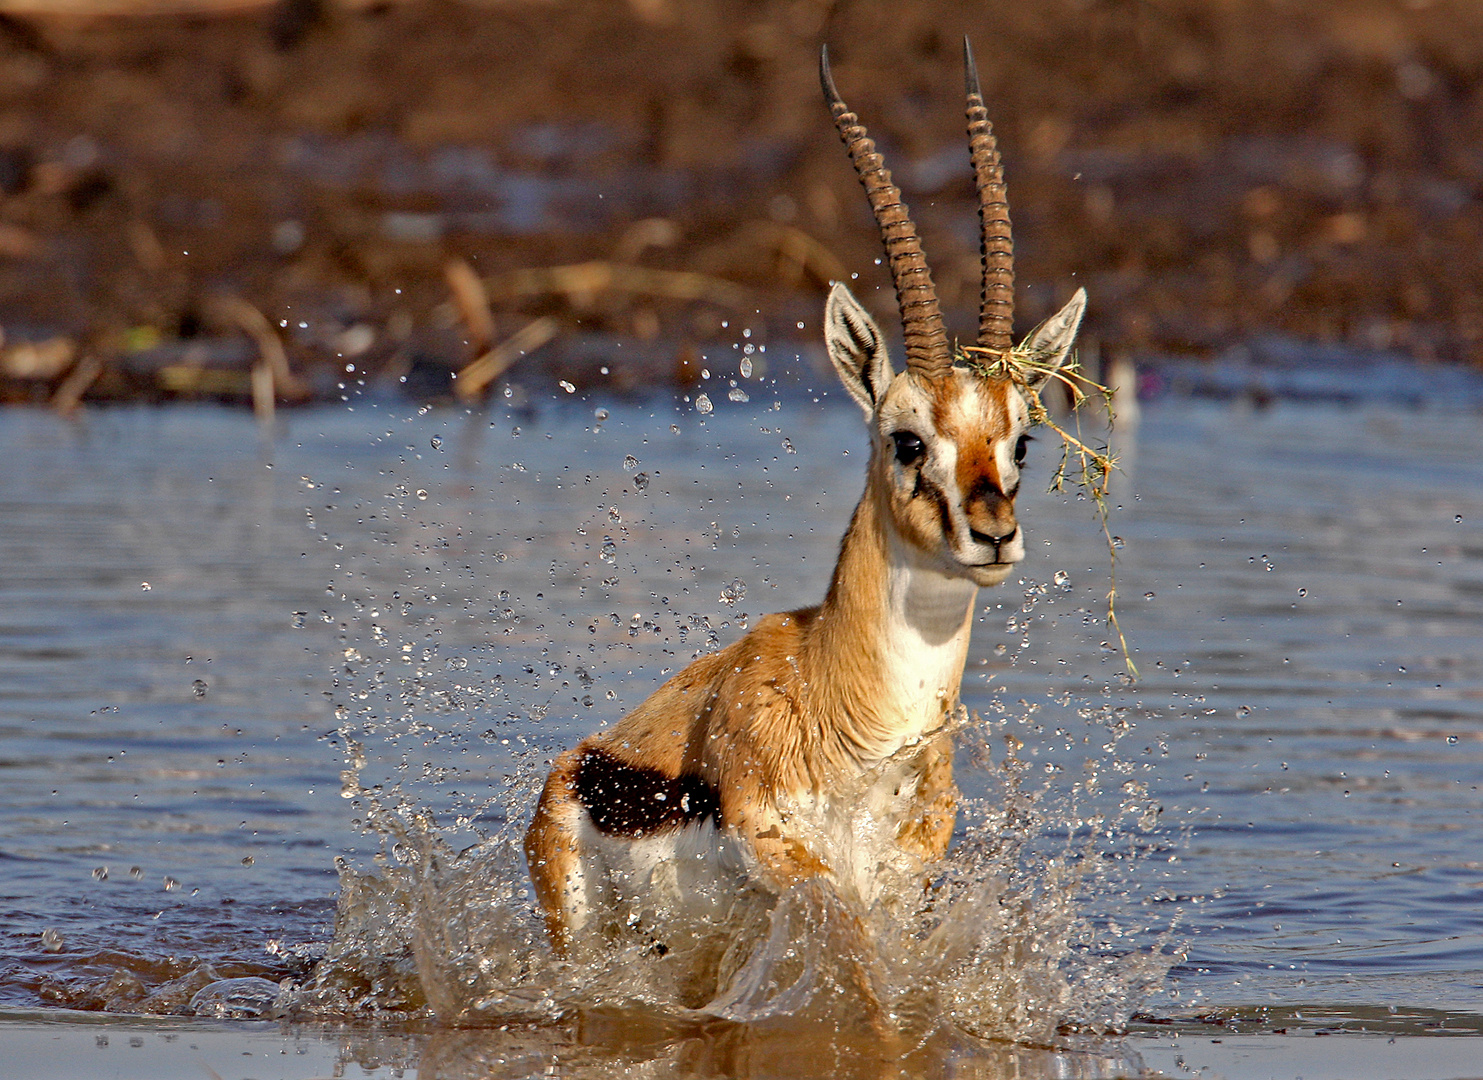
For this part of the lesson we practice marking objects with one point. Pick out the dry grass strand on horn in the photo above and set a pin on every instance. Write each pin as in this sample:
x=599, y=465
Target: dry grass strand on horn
x=1082, y=465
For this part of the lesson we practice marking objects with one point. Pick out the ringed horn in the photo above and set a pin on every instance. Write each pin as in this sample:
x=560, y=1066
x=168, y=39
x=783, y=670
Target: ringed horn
x=996, y=242
x=927, y=350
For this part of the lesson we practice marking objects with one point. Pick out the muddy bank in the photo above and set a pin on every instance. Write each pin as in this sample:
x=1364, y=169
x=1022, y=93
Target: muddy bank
x=361, y=179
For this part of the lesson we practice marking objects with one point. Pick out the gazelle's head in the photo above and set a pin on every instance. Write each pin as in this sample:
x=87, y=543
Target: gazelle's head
x=948, y=441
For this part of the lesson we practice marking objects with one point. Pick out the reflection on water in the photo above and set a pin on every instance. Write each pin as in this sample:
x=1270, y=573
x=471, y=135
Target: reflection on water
x=193, y=627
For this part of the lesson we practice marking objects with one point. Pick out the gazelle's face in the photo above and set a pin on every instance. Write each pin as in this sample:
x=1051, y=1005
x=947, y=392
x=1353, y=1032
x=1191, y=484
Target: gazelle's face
x=948, y=455
x=948, y=446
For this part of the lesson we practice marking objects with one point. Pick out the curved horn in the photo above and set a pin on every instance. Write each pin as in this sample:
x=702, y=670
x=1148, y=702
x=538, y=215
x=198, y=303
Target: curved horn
x=927, y=350
x=996, y=243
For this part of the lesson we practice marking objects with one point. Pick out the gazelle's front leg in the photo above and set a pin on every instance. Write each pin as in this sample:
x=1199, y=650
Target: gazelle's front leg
x=929, y=829
x=786, y=861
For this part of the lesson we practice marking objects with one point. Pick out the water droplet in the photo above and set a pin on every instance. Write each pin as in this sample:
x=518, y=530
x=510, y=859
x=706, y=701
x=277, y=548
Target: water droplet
x=136, y=873
x=100, y=873
x=1062, y=579
x=1117, y=543
x=145, y=586
x=199, y=688
x=609, y=552
x=1457, y=519
x=1302, y=592
x=630, y=463
x=703, y=404
x=788, y=447
x=437, y=442
x=299, y=620
x=736, y=393
x=587, y=700
x=421, y=495
x=1148, y=596
x=248, y=860
x=600, y=415
x=1244, y=711
x=746, y=367
x=51, y=941
x=171, y=885
x=568, y=387
x=456, y=663
x=641, y=481
x=1451, y=740
x=734, y=592
x=674, y=429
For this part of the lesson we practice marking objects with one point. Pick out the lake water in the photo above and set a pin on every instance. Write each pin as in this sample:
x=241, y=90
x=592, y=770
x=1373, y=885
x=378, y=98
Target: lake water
x=228, y=661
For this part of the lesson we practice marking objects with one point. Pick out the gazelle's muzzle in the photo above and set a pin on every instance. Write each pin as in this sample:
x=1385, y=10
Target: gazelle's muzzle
x=992, y=525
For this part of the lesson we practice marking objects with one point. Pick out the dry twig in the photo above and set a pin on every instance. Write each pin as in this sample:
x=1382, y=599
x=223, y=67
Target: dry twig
x=471, y=383
x=581, y=283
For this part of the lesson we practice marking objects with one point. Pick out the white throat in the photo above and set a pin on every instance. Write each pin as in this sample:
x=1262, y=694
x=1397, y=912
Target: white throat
x=929, y=618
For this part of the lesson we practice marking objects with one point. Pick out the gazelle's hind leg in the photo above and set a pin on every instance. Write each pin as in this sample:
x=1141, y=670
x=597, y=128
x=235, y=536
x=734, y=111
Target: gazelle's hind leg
x=553, y=852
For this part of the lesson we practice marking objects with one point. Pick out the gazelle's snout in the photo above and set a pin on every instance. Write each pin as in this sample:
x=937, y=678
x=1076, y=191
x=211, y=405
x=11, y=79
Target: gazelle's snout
x=990, y=515
x=993, y=530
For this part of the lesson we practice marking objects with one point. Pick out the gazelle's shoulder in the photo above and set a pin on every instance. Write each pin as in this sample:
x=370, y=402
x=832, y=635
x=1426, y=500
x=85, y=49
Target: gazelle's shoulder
x=777, y=635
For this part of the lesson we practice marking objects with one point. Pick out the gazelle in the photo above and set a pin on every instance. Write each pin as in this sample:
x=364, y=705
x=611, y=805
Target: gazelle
x=815, y=746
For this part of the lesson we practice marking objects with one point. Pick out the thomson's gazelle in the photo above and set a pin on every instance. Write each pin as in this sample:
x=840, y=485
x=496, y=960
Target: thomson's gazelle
x=731, y=773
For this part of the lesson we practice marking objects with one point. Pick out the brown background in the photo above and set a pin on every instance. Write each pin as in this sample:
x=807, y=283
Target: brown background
x=1210, y=169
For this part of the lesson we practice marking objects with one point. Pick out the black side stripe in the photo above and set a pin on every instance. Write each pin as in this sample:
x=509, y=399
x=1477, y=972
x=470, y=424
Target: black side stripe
x=635, y=800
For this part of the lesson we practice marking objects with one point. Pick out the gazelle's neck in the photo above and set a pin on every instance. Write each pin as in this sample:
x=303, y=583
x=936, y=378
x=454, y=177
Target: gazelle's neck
x=886, y=656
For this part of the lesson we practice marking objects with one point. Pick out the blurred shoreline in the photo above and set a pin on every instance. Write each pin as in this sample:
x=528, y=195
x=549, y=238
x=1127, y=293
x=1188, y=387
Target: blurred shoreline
x=258, y=202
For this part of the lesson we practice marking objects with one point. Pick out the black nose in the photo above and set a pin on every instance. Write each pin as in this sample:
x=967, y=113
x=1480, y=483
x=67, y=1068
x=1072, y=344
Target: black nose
x=985, y=538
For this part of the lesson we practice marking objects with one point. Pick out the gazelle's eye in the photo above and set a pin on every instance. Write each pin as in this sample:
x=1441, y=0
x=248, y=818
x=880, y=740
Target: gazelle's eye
x=909, y=448
x=1019, y=450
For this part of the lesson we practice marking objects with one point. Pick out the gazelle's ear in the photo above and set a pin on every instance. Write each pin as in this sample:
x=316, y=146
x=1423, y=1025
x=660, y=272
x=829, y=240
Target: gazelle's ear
x=1051, y=343
x=857, y=348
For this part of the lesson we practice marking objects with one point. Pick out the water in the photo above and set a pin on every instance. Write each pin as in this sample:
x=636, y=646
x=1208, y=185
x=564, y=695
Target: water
x=196, y=624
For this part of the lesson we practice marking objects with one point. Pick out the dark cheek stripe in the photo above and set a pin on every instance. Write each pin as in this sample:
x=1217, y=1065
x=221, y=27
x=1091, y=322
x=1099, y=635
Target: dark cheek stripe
x=634, y=800
x=939, y=500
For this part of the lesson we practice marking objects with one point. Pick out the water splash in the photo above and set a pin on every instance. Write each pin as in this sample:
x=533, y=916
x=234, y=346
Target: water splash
x=998, y=942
